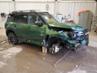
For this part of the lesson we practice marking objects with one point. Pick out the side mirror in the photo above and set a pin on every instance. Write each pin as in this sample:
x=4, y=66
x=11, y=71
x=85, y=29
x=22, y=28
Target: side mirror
x=39, y=23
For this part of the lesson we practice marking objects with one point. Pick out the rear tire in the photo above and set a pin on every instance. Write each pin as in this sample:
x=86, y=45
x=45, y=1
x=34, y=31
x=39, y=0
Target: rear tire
x=12, y=38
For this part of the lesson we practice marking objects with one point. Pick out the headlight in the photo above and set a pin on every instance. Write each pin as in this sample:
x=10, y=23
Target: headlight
x=71, y=34
x=80, y=33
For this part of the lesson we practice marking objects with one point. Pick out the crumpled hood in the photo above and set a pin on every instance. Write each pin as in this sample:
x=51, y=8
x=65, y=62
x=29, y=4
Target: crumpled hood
x=75, y=27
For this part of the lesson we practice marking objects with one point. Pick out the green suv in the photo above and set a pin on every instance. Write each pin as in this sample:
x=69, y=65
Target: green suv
x=44, y=30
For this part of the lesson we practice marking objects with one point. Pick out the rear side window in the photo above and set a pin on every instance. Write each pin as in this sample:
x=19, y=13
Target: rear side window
x=21, y=19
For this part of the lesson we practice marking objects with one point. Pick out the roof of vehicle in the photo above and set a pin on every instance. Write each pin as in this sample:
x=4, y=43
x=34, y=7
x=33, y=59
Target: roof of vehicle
x=27, y=12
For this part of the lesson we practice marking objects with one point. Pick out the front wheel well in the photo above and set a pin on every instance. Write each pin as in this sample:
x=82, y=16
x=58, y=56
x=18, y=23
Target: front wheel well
x=52, y=40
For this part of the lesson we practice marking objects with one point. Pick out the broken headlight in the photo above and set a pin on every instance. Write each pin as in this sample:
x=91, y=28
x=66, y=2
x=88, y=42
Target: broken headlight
x=71, y=34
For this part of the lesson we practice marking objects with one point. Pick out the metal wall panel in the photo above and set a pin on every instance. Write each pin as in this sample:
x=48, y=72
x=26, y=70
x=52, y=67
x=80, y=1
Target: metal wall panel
x=36, y=0
x=35, y=6
x=72, y=8
x=6, y=7
x=62, y=7
x=5, y=0
x=84, y=6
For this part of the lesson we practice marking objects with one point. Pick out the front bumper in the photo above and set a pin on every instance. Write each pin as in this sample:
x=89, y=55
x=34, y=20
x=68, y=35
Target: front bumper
x=73, y=44
x=80, y=38
x=77, y=43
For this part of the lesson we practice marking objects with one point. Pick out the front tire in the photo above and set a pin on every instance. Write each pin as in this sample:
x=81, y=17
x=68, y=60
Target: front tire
x=12, y=38
x=55, y=48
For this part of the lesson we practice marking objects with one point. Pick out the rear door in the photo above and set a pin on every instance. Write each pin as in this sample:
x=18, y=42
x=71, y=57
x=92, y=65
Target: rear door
x=21, y=26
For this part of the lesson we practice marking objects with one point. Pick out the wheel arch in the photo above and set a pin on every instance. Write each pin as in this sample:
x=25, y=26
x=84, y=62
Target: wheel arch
x=9, y=31
x=54, y=39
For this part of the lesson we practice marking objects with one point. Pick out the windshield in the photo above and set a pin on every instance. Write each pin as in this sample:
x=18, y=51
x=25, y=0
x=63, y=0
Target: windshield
x=49, y=18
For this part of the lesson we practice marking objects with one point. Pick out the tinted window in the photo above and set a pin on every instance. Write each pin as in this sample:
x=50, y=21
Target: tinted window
x=21, y=19
x=32, y=19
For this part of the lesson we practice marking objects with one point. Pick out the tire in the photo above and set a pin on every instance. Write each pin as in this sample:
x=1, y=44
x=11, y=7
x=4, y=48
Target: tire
x=54, y=49
x=54, y=45
x=12, y=38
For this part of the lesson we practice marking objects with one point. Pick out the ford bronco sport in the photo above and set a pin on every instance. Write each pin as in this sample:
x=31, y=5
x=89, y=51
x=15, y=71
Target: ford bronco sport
x=43, y=29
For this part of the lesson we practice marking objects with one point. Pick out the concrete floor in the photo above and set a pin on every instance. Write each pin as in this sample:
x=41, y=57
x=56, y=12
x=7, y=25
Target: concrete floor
x=25, y=58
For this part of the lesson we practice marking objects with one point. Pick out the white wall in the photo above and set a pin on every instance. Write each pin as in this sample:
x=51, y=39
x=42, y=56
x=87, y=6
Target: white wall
x=36, y=0
x=76, y=0
x=6, y=7
x=35, y=6
x=73, y=8
x=64, y=7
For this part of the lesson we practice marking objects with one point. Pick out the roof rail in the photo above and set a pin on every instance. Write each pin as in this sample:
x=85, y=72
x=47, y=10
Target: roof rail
x=23, y=11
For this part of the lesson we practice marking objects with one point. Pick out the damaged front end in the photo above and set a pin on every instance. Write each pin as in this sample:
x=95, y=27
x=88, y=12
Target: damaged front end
x=72, y=38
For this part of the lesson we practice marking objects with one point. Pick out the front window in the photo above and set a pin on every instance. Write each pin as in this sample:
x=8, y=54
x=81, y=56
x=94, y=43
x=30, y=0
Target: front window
x=49, y=18
x=34, y=19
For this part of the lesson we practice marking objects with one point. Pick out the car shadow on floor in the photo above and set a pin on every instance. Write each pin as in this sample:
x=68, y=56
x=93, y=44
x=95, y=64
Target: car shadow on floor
x=56, y=58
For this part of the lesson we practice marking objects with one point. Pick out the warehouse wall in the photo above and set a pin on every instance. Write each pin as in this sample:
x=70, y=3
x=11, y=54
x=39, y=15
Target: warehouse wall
x=73, y=8
x=7, y=5
x=63, y=7
x=35, y=6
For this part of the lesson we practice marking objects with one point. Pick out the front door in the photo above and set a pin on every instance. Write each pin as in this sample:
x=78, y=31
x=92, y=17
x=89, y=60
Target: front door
x=37, y=30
